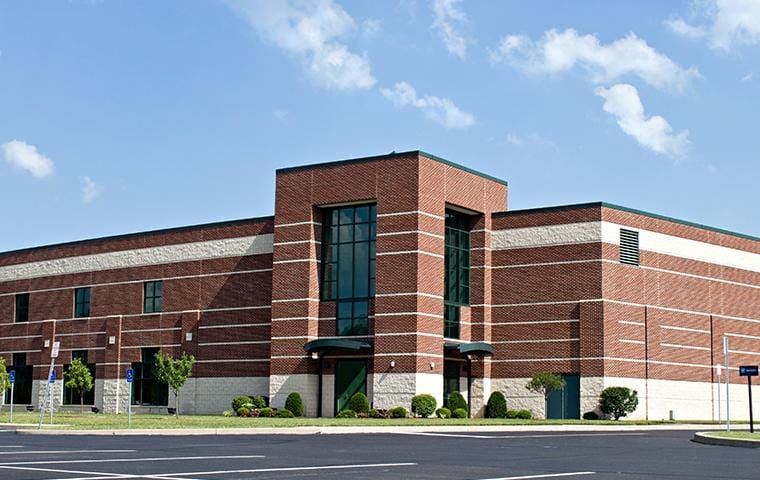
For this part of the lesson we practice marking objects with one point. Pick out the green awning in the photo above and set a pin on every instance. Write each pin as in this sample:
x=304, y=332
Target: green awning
x=336, y=343
x=474, y=348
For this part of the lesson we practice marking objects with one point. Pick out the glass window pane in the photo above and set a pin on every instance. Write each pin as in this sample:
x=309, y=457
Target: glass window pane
x=159, y=288
x=148, y=289
x=346, y=233
x=334, y=217
x=361, y=327
x=345, y=271
x=346, y=215
x=361, y=269
x=361, y=232
x=343, y=326
x=345, y=310
x=361, y=214
x=361, y=309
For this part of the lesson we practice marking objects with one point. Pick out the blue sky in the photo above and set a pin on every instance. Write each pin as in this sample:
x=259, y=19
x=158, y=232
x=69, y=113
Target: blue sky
x=122, y=116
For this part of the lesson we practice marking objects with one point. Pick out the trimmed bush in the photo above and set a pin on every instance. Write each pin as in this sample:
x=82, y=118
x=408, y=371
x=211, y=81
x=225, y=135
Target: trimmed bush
x=592, y=415
x=375, y=413
x=347, y=413
x=240, y=401
x=359, y=403
x=618, y=401
x=266, y=412
x=228, y=413
x=459, y=413
x=511, y=414
x=244, y=411
x=443, y=412
x=259, y=401
x=456, y=400
x=284, y=413
x=524, y=414
x=294, y=404
x=398, y=412
x=423, y=405
x=496, y=406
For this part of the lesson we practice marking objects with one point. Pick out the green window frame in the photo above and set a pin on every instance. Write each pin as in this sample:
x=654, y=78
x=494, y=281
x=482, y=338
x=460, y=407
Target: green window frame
x=82, y=302
x=456, y=288
x=348, y=264
x=146, y=388
x=70, y=395
x=22, y=307
x=153, y=293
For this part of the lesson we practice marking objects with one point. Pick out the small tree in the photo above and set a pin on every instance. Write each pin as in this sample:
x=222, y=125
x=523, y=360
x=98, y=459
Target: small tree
x=5, y=382
x=455, y=401
x=545, y=383
x=294, y=403
x=618, y=401
x=79, y=378
x=496, y=406
x=174, y=373
x=359, y=403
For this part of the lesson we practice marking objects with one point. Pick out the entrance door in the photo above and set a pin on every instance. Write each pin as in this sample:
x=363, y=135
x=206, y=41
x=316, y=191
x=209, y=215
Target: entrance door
x=566, y=403
x=450, y=378
x=350, y=378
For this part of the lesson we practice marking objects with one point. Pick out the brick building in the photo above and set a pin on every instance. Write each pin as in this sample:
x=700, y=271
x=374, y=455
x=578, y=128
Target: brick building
x=394, y=275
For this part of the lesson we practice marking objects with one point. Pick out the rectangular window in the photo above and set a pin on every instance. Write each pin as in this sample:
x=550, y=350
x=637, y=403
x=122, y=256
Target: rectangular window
x=152, y=294
x=456, y=260
x=82, y=302
x=70, y=395
x=629, y=247
x=22, y=307
x=146, y=389
x=348, y=264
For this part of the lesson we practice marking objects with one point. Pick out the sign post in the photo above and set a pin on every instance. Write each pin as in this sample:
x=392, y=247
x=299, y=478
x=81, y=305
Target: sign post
x=718, y=368
x=48, y=398
x=749, y=371
x=12, y=378
x=728, y=394
x=130, y=378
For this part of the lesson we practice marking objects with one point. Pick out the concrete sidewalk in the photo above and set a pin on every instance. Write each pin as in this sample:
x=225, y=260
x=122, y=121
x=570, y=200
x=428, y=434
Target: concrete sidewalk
x=374, y=429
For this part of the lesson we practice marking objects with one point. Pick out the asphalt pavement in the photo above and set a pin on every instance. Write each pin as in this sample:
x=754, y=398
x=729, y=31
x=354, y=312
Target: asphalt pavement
x=419, y=455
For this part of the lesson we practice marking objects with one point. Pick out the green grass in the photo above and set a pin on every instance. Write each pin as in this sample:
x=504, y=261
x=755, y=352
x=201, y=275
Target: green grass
x=108, y=421
x=737, y=435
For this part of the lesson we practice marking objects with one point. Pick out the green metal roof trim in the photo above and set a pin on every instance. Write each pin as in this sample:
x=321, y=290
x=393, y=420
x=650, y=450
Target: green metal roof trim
x=391, y=155
x=578, y=206
x=160, y=231
x=328, y=343
x=474, y=348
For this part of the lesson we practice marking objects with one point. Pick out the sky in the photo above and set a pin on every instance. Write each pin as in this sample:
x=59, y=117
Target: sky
x=127, y=116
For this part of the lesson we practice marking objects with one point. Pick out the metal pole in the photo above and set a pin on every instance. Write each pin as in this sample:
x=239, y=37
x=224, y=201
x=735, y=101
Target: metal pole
x=44, y=398
x=728, y=393
x=51, y=405
x=129, y=405
x=717, y=367
x=751, y=420
x=13, y=385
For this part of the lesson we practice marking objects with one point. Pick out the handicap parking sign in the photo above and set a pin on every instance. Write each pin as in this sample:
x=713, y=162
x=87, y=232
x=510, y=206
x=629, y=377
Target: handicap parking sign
x=130, y=375
x=52, y=376
x=12, y=376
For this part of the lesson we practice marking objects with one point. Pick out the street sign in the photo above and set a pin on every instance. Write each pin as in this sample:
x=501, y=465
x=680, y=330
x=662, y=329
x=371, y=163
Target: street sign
x=130, y=375
x=52, y=376
x=748, y=370
x=12, y=376
x=54, y=351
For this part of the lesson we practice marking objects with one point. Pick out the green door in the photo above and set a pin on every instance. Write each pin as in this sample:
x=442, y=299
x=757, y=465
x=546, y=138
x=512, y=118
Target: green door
x=566, y=403
x=350, y=378
x=450, y=378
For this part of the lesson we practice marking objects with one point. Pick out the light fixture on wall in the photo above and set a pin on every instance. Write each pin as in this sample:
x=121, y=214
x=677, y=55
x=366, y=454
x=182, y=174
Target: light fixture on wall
x=393, y=363
x=432, y=365
x=112, y=340
x=189, y=336
x=47, y=343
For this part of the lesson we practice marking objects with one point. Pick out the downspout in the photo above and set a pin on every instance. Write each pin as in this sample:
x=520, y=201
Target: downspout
x=469, y=387
x=646, y=360
x=319, y=386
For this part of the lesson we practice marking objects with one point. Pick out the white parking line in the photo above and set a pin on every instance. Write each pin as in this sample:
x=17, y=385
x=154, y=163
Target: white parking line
x=547, y=435
x=173, y=476
x=122, y=460
x=58, y=452
x=547, y=475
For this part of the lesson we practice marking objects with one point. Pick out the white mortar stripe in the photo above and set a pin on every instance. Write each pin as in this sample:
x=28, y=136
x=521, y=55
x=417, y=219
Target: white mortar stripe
x=409, y=294
x=410, y=212
x=397, y=314
x=266, y=324
x=287, y=300
x=409, y=232
x=20, y=336
x=406, y=354
x=531, y=322
x=744, y=352
x=545, y=340
x=287, y=319
x=631, y=322
x=20, y=351
x=154, y=346
x=298, y=260
x=295, y=224
x=81, y=348
x=183, y=252
x=287, y=469
x=687, y=347
x=167, y=329
x=543, y=264
x=305, y=355
x=625, y=340
x=684, y=329
x=401, y=334
x=407, y=252
x=242, y=342
x=742, y=335
x=617, y=359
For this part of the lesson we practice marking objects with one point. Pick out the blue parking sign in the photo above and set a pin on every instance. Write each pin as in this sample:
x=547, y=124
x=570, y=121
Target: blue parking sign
x=130, y=375
x=52, y=376
x=12, y=376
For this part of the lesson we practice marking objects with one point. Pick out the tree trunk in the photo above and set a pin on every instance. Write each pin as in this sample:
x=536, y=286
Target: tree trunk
x=176, y=404
x=81, y=402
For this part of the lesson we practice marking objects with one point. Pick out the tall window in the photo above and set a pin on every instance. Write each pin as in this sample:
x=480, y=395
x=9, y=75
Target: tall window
x=348, y=265
x=82, y=302
x=146, y=389
x=457, y=271
x=71, y=395
x=22, y=307
x=153, y=293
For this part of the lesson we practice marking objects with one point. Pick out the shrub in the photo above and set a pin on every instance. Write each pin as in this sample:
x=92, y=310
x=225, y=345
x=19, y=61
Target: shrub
x=375, y=413
x=456, y=400
x=240, y=401
x=294, y=404
x=459, y=413
x=398, y=412
x=284, y=413
x=244, y=411
x=424, y=405
x=347, y=413
x=524, y=414
x=228, y=413
x=592, y=415
x=259, y=401
x=618, y=401
x=359, y=403
x=266, y=412
x=443, y=412
x=496, y=406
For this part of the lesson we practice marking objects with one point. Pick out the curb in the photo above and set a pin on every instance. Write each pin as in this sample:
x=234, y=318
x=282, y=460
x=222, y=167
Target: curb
x=706, y=439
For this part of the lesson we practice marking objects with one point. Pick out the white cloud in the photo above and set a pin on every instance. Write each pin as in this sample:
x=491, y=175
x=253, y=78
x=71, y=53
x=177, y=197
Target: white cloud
x=439, y=110
x=558, y=52
x=748, y=77
x=447, y=18
x=281, y=115
x=371, y=27
x=654, y=133
x=727, y=23
x=90, y=190
x=309, y=30
x=22, y=155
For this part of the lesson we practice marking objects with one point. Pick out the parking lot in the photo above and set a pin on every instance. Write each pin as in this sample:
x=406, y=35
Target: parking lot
x=464, y=456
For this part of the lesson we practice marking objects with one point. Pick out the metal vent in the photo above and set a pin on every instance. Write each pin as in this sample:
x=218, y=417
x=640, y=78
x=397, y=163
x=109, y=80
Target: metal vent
x=629, y=247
